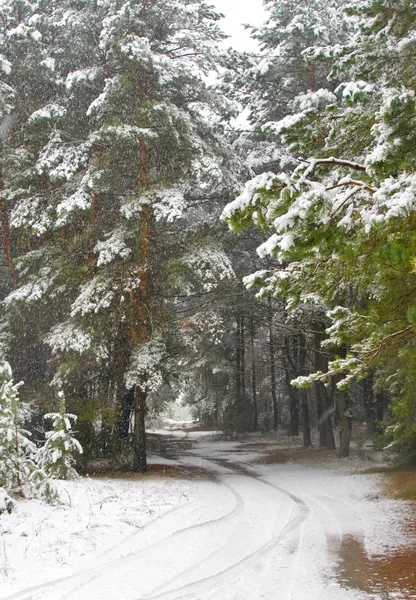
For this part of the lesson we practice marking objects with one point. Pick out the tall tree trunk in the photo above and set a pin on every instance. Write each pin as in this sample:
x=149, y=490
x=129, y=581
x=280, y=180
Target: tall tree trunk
x=126, y=408
x=253, y=377
x=238, y=390
x=92, y=257
x=290, y=372
x=345, y=418
x=380, y=401
x=306, y=422
x=272, y=355
x=243, y=357
x=326, y=432
x=5, y=230
x=346, y=424
x=369, y=404
x=141, y=303
x=139, y=437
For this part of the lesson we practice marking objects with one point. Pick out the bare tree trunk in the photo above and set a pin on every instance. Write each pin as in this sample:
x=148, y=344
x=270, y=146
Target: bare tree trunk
x=346, y=424
x=139, y=437
x=369, y=404
x=306, y=422
x=238, y=367
x=326, y=432
x=253, y=376
x=243, y=356
x=272, y=354
x=290, y=371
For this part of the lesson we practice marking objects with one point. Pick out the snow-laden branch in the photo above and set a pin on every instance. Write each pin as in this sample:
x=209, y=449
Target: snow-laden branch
x=353, y=182
x=314, y=162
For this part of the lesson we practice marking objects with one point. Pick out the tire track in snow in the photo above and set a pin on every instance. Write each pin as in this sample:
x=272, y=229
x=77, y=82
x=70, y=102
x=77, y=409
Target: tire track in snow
x=303, y=513
x=97, y=571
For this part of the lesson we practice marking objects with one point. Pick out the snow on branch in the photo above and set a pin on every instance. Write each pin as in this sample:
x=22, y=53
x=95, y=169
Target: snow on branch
x=346, y=181
x=314, y=162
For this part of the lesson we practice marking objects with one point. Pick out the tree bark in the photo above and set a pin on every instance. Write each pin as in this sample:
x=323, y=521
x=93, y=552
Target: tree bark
x=126, y=409
x=5, y=230
x=238, y=390
x=243, y=357
x=92, y=257
x=346, y=425
x=272, y=355
x=140, y=301
x=139, y=436
x=290, y=372
x=253, y=377
x=306, y=422
x=369, y=404
x=326, y=432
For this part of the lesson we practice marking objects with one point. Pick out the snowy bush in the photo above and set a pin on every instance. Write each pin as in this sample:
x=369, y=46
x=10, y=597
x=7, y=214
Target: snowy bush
x=6, y=503
x=17, y=451
x=55, y=458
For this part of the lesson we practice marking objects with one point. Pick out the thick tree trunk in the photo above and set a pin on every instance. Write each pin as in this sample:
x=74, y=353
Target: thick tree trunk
x=380, y=401
x=126, y=409
x=140, y=301
x=139, y=436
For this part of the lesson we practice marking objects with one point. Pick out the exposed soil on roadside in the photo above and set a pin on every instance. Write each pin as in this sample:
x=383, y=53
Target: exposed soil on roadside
x=393, y=574
x=389, y=576
x=160, y=470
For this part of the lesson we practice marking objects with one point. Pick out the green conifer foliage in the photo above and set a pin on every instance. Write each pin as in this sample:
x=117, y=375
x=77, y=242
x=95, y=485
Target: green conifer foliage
x=56, y=456
x=118, y=150
x=343, y=221
x=17, y=451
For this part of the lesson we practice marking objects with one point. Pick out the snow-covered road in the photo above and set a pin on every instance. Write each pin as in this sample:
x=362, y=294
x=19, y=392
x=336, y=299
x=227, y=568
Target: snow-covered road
x=251, y=532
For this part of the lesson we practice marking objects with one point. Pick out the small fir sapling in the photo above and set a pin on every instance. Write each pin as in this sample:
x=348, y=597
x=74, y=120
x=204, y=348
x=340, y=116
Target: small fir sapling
x=6, y=503
x=17, y=451
x=55, y=457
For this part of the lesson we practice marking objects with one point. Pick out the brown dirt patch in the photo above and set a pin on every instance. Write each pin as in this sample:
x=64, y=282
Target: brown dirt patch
x=391, y=576
x=280, y=455
x=156, y=471
x=401, y=484
x=274, y=457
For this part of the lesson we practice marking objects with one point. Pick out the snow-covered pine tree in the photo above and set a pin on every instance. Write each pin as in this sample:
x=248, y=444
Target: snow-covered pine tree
x=17, y=451
x=343, y=221
x=297, y=44
x=122, y=149
x=56, y=456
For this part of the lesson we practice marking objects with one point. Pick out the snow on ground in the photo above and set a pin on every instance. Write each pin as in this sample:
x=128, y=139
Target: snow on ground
x=39, y=542
x=249, y=531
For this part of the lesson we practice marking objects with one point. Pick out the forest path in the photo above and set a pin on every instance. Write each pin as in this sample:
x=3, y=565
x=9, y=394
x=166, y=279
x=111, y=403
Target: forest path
x=254, y=532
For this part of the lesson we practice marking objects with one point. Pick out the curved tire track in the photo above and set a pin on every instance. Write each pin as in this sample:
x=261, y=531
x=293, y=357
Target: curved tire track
x=28, y=593
x=185, y=590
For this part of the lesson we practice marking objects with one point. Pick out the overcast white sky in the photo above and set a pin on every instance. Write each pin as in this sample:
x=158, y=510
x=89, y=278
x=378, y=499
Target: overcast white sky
x=236, y=13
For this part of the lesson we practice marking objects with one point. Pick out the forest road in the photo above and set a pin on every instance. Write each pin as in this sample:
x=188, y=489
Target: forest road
x=253, y=533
